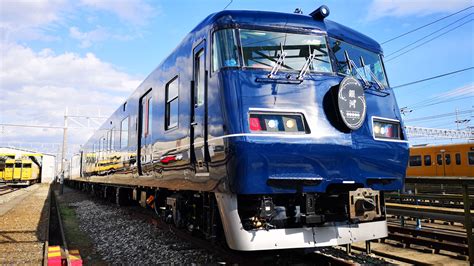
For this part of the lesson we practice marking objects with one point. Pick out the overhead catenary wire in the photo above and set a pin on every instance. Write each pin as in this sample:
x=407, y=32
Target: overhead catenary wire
x=430, y=78
x=438, y=116
x=434, y=32
x=228, y=4
x=423, y=43
x=426, y=25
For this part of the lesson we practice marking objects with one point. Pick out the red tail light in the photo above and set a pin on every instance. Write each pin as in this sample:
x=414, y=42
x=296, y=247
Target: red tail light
x=255, y=124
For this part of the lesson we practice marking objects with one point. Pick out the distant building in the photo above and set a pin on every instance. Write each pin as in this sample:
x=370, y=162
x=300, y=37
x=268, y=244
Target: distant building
x=48, y=161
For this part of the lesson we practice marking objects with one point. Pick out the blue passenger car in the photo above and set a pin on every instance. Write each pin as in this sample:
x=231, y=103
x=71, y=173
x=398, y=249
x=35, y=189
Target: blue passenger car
x=284, y=124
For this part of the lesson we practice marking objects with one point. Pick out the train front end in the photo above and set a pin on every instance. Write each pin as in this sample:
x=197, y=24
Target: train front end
x=314, y=133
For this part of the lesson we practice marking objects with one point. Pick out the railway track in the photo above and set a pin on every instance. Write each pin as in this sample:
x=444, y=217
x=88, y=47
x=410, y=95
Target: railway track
x=435, y=239
x=7, y=190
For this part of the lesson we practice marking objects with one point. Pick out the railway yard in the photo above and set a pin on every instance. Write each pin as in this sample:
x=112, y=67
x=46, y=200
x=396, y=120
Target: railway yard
x=263, y=138
x=98, y=231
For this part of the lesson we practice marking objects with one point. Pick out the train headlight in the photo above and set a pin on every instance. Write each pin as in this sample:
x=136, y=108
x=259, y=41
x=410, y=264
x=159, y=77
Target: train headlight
x=272, y=123
x=386, y=129
x=277, y=122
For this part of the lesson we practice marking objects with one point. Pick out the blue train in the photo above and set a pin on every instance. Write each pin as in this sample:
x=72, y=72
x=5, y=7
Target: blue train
x=272, y=130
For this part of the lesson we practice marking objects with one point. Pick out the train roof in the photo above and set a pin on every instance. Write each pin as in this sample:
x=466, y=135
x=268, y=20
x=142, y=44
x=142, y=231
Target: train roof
x=424, y=146
x=284, y=20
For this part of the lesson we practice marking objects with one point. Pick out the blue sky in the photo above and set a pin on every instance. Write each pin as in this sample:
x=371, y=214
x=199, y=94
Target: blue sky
x=89, y=55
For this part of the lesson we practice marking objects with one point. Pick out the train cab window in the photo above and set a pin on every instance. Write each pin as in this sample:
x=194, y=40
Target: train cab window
x=261, y=49
x=470, y=158
x=124, y=133
x=17, y=165
x=458, y=158
x=372, y=62
x=447, y=158
x=224, y=49
x=172, y=108
x=439, y=159
x=427, y=159
x=415, y=160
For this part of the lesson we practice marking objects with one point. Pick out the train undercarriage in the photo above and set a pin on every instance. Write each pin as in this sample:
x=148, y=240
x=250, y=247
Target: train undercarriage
x=259, y=222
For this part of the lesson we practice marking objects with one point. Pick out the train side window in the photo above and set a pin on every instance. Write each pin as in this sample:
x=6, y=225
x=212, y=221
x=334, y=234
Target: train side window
x=439, y=159
x=150, y=116
x=447, y=158
x=458, y=158
x=427, y=159
x=470, y=158
x=147, y=117
x=172, y=108
x=124, y=133
x=200, y=77
x=415, y=160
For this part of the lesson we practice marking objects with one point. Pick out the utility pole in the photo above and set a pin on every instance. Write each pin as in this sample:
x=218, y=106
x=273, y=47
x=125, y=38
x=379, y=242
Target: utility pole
x=63, y=152
x=457, y=120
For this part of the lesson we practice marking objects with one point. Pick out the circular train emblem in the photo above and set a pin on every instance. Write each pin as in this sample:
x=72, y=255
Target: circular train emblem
x=351, y=102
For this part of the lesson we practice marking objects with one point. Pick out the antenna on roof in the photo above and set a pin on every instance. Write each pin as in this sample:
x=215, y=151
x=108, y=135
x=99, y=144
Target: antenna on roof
x=321, y=13
x=298, y=11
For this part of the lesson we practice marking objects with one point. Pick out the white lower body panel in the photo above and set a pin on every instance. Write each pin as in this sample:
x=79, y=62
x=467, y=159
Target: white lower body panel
x=328, y=235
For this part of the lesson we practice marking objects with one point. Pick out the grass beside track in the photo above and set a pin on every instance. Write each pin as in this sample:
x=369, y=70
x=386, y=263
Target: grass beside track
x=76, y=239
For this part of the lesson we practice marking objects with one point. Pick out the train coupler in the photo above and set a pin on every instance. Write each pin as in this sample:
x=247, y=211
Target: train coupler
x=364, y=205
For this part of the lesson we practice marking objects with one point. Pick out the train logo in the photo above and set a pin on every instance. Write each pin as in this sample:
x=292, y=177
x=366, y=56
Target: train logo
x=351, y=103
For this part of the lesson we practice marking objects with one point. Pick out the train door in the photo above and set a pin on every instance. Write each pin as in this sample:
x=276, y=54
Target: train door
x=449, y=167
x=198, y=127
x=17, y=170
x=9, y=166
x=440, y=166
x=144, y=152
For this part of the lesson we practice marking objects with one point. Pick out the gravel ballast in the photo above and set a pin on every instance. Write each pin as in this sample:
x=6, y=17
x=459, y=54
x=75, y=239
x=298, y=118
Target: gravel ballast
x=121, y=238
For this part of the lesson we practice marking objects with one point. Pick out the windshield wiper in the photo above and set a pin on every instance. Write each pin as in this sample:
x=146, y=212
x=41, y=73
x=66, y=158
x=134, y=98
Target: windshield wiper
x=379, y=84
x=278, y=63
x=307, y=64
x=351, y=65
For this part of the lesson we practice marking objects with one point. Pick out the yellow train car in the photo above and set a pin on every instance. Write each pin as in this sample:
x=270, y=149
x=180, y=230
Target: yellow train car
x=442, y=160
x=3, y=158
x=30, y=172
x=8, y=174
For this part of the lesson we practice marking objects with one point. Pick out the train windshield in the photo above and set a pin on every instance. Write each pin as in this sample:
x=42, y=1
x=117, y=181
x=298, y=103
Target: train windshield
x=372, y=61
x=262, y=49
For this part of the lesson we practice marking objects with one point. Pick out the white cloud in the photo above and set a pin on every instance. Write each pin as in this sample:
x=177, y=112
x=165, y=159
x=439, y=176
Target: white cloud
x=132, y=11
x=89, y=38
x=36, y=88
x=28, y=20
x=25, y=19
x=400, y=8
